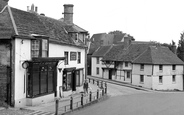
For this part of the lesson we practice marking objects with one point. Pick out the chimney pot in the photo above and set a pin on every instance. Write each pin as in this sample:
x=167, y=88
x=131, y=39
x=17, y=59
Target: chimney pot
x=36, y=9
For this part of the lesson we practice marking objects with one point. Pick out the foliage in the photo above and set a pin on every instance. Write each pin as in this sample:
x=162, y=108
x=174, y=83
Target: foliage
x=116, y=32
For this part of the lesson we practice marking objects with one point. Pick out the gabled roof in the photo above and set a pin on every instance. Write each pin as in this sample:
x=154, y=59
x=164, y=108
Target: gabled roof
x=158, y=55
x=75, y=29
x=28, y=24
x=113, y=53
x=101, y=51
x=97, y=36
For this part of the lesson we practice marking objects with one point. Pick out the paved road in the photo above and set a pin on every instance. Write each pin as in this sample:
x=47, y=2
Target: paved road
x=128, y=101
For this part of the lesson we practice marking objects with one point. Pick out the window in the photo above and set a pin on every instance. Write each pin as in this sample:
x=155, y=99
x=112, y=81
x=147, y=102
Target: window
x=160, y=67
x=174, y=78
x=66, y=58
x=128, y=75
x=160, y=79
x=76, y=37
x=79, y=57
x=97, y=71
x=141, y=78
x=142, y=67
x=126, y=64
x=97, y=60
x=79, y=77
x=40, y=79
x=73, y=56
x=39, y=48
x=67, y=81
x=173, y=67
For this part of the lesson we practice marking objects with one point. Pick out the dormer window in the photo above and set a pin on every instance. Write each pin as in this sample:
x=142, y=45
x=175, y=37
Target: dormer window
x=39, y=48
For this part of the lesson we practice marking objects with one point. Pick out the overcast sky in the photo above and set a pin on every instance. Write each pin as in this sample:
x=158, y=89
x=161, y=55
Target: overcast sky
x=155, y=20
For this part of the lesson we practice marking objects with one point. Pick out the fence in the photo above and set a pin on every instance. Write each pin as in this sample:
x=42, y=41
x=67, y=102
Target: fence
x=82, y=99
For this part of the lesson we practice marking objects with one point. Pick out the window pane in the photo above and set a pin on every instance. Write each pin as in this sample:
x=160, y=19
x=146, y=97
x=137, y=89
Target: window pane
x=66, y=58
x=81, y=77
x=44, y=53
x=43, y=80
x=35, y=83
x=50, y=81
x=69, y=75
x=77, y=78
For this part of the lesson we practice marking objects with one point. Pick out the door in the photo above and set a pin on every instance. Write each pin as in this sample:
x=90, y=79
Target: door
x=110, y=74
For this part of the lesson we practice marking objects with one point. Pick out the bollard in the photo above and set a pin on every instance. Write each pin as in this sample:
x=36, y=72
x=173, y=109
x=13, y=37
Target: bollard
x=102, y=92
x=90, y=96
x=57, y=105
x=71, y=103
x=105, y=88
x=97, y=93
x=82, y=97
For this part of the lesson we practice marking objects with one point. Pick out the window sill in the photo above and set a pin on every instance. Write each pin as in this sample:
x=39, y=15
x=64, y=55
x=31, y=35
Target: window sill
x=40, y=95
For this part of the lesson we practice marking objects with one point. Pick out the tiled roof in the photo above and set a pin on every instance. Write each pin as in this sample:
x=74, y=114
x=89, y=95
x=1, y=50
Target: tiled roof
x=100, y=52
x=119, y=53
x=113, y=53
x=97, y=36
x=158, y=55
x=118, y=38
x=28, y=23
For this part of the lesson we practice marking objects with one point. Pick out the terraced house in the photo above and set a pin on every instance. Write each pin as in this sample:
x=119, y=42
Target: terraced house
x=144, y=64
x=41, y=57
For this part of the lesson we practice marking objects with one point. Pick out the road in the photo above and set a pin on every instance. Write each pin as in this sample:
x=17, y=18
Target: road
x=129, y=101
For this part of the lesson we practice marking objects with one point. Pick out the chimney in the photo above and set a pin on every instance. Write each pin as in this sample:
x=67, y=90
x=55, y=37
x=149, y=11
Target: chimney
x=36, y=9
x=3, y=3
x=127, y=41
x=32, y=8
x=68, y=13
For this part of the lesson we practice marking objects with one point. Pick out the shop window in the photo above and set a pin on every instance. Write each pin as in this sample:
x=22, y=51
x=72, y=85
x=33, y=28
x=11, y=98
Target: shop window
x=66, y=58
x=67, y=78
x=39, y=48
x=40, y=78
x=79, y=58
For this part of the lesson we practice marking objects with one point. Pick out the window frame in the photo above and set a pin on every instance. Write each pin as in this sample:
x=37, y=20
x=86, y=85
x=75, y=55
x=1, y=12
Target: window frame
x=141, y=79
x=160, y=79
x=160, y=67
x=128, y=75
x=142, y=67
x=173, y=67
x=97, y=60
x=97, y=71
x=173, y=78
x=126, y=64
x=78, y=57
x=66, y=62
x=40, y=50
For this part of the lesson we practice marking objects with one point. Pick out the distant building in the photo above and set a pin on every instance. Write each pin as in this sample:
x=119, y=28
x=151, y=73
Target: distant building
x=41, y=57
x=145, y=64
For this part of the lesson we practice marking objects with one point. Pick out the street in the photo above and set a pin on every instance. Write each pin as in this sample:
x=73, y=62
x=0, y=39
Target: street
x=129, y=101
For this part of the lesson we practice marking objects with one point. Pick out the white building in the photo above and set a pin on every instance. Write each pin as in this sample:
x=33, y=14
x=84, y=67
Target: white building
x=46, y=57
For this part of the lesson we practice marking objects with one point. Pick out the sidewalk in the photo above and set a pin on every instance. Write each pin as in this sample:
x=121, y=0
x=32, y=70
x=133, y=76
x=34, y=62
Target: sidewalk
x=118, y=83
x=49, y=108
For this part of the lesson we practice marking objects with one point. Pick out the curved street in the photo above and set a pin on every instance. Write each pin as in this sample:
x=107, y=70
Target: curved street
x=129, y=101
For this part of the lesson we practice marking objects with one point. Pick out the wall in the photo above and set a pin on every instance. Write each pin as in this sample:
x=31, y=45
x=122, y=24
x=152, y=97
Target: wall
x=167, y=77
x=95, y=65
x=23, y=52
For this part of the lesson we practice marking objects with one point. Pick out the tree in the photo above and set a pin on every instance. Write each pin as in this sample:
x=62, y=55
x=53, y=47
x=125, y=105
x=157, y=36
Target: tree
x=180, y=49
x=116, y=32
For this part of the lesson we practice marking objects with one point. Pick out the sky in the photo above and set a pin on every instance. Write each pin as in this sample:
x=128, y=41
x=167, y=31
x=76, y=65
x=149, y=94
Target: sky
x=146, y=20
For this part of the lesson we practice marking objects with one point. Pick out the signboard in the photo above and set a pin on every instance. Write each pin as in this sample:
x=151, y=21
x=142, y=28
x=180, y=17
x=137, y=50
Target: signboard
x=73, y=56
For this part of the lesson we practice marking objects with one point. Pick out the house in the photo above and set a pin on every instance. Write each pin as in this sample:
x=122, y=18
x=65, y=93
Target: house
x=158, y=68
x=96, y=58
x=41, y=57
x=145, y=64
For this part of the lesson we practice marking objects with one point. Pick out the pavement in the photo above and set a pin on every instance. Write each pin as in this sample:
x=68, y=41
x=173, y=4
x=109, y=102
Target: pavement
x=49, y=108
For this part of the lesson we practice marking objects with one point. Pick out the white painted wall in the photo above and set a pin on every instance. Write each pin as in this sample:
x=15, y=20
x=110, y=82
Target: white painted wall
x=23, y=53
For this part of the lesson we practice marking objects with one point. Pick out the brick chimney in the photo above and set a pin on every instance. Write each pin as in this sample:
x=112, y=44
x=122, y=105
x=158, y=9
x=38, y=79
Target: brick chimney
x=3, y=3
x=68, y=13
x=127, y=40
